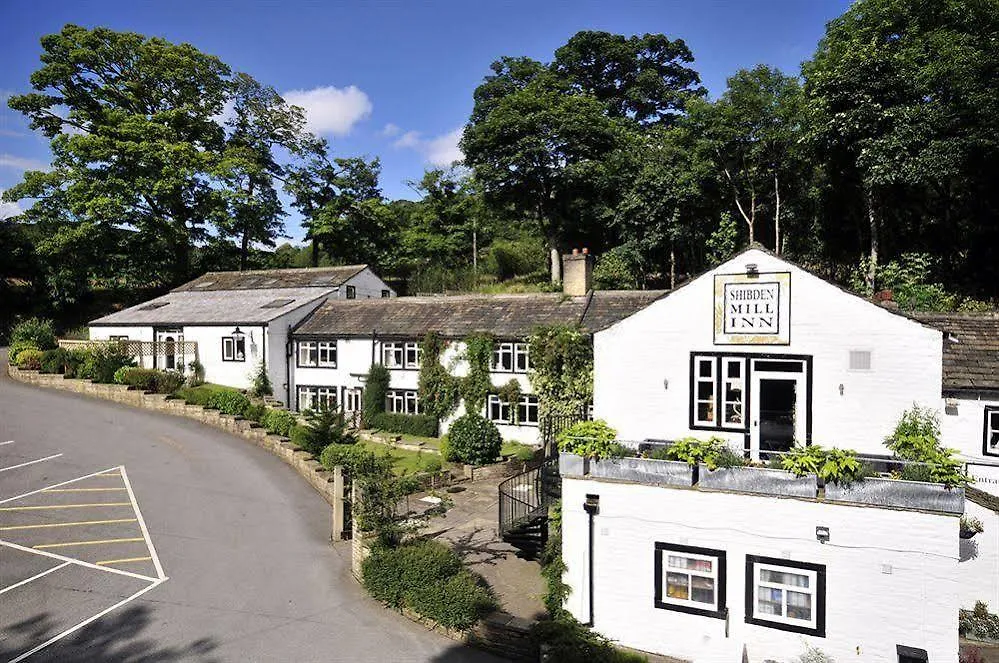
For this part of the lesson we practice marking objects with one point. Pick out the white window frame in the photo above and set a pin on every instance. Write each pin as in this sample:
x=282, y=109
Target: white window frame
x=353, y=400
x=726, y=381
x=991, y=429
x=351, y=292
x=402, y=401
x=521, y=358
x=326, y=354
x=307, y=354
x=710, y=380
x=815, y=573
x=401, y=355
x=498, y=410
x=510, y=357
x=527, y=405
x=309, y=397
x=231, y=346
x=665, y=552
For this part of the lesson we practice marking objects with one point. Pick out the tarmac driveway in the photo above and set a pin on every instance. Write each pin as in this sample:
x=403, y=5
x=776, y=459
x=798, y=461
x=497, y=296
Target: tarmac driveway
x=130, y=536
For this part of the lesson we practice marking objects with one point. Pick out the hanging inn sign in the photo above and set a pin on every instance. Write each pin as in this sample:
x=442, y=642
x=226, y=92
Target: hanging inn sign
x=753, y=308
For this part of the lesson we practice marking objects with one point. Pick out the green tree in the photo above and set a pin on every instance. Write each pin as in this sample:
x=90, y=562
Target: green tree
x=132, y=129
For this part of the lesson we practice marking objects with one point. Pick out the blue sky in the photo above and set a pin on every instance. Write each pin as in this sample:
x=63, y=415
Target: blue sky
x=395, y=79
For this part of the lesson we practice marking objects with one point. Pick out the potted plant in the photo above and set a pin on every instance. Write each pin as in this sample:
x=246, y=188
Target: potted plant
x=970, y=526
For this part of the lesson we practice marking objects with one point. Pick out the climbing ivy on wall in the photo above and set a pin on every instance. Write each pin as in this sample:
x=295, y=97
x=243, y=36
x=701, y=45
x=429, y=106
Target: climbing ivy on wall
x=561, y=370
x=438, y=389
x=476, y=385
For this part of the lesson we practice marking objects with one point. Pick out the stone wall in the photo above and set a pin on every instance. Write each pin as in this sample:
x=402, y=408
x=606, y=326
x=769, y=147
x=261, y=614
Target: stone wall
x=309, y=469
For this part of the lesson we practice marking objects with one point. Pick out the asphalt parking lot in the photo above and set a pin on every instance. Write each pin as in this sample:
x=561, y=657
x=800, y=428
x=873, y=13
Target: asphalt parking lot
x=131, y=536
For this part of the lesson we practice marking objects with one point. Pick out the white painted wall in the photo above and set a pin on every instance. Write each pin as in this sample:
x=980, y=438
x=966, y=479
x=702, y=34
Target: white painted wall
x=868, y=611
x=230, y=373
x=634, y=357
x=368, y=284
x=978, y=571
x=962, y=427
x=354, y=360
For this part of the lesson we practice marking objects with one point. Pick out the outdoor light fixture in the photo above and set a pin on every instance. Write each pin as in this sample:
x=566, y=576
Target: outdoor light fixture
x=237, y=332
x=665, y=383
x=592, y=507
x=822, y=534
x=840, y=388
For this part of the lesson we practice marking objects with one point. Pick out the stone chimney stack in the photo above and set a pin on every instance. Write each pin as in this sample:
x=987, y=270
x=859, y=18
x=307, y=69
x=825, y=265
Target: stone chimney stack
x=577, y=273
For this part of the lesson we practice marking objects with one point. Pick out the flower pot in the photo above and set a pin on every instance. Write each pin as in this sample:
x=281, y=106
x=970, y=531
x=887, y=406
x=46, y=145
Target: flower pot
x=571, y=465
x=899, y=493
x=967, y=533
x=760, y=480
x=644, y=470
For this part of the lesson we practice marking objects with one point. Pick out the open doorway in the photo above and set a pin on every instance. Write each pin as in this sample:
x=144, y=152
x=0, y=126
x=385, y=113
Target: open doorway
x=778, y=414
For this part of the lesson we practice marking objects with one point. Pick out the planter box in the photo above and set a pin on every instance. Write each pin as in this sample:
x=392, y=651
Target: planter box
x=896, y=492
x=571, y=465
x=644, y=470
x=759, y=480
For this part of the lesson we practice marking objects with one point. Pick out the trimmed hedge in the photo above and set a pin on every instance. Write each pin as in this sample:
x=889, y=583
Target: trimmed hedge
x=149, y=379
x=228, y=402
x=30, y=359
x=423, y=425
x=474, y=439
x=54, y=361
x=18, y=347
x=430, y=579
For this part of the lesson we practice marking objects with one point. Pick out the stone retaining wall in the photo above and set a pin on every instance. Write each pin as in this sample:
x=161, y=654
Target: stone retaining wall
x=309, y=469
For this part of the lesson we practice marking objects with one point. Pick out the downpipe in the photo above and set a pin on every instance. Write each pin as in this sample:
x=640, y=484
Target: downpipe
x=592, y=508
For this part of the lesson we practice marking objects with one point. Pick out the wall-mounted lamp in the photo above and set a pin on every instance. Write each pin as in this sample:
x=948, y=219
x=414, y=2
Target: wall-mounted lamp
x=592, y=504
x=752, y=270
x=840, y=388
x=665, y=383
x=237, y=332
x=822, y=533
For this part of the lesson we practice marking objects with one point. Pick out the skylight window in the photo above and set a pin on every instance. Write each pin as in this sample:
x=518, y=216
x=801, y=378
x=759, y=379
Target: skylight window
x=152, y=306
x=203, y=284
x=277, y=303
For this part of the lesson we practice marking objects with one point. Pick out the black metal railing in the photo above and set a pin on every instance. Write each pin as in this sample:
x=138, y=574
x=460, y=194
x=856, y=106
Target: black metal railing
x=526, y=496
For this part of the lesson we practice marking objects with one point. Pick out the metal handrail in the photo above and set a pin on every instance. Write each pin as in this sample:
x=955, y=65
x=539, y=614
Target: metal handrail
x=524, y=496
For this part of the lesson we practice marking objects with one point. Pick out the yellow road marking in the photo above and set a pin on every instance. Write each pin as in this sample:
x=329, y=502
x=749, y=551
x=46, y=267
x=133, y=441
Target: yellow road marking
x=45, y=546
x=83, y=490
x=122, y=561
x=85, y=522
x=63, y=506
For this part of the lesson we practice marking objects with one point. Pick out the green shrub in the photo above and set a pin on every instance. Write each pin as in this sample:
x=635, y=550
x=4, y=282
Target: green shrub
x=37, y=331
x=444, y=447
x=590, y=439
x=261, y=381
x=839, y=466
x=423, y=425
x=356, y=460
x=143, y=379
x=17, y=348
x=74, y=360
x=254, y=411
x=30, y=359
x=568, y=641
x=299, y=437
x=167, y=382
x=519, y=451
x=979, y=622
x=202, y=393
x=228, y=402
x=714, y=453
x=121, y=375
x=428, y=578
x=53, y=361
x=324, y=427
x=916, y=438
x=474, y=439
x=279, y=422
x=375, y=391
x=196, y=373
x=100, y=361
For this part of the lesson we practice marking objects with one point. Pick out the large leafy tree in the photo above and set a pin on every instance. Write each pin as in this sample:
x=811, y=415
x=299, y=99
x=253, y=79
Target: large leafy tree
x=134, y=140
x=908, y=122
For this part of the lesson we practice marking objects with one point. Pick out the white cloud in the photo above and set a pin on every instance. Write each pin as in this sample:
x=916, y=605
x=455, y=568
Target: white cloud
x=443, y=150
x=331, y=110
x=440, y=151
x=390, y=130
x=7, y=210
x=409, y=139
x=21, y=163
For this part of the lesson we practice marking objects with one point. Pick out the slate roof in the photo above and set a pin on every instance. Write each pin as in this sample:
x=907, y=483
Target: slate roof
x=308, y=277
x=504, y=316
x=215, y=307
x=970, y=351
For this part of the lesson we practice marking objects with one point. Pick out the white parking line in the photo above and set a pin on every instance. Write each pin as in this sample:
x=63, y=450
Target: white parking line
x=55, y=485
x=34, y=577
x=78, y=562
x=72, y=629
x=142, y=525
x=30, y=462
x=7, y=442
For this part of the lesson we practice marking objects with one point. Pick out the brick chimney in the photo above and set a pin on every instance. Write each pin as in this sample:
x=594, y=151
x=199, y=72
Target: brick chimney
x=577, y=273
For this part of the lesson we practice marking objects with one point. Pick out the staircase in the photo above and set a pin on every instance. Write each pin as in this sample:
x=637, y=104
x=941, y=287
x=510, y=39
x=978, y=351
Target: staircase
x=524, y=500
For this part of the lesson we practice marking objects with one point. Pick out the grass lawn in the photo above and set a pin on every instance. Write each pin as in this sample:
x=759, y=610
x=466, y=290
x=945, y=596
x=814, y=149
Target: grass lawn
x=406, y=461
x=406, y=438
x=199, y=395
x=521, y=451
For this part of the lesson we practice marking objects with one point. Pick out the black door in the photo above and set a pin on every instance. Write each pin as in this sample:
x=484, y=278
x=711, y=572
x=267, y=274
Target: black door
x=777, y=412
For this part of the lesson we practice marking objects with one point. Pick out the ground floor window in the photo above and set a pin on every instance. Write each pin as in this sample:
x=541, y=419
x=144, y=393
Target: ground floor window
x=991, y=446
x=497, y=409
x=718, y=392
x=234, y=348
x=353, y=400
x=786, y=595
x=500, y=411
x=527, y=411
x=313, y=398
x=690, y=579
x=402, y=401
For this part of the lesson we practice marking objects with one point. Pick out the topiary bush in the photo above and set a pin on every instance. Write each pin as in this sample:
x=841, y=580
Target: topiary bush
x=228, y=402
x=143, y=379
x=590, y=439
x=474, y=439
x=375, y=391
x=423, y=425
x=279, y=422
x=30, y=359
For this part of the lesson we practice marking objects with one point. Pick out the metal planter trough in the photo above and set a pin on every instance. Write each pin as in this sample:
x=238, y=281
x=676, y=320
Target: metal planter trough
x=571, y=465
x=644, y=470
x=899, y=493
x=761, y=480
